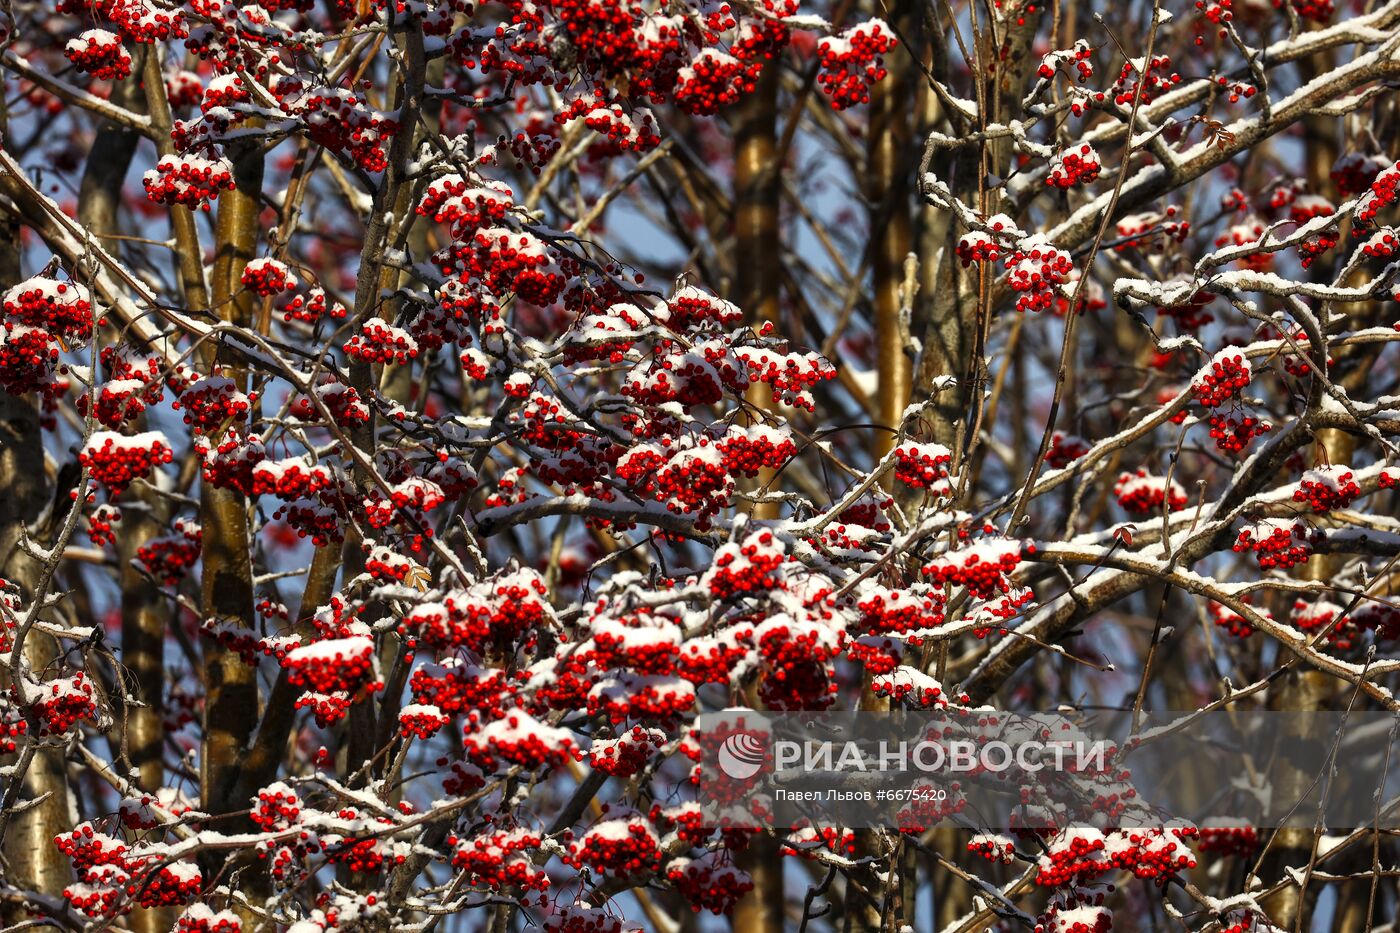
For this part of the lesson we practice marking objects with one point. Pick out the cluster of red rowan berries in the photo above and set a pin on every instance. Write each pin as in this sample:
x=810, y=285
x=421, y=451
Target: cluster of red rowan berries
x=1227, y=375
x=983, y=567
x=1327, y=488
x=189, y=180
x=849, y=64
x=922, y=466
x=169, y=557
x=1075, y=165
x=99, y=53
x=1278, y=543
x=709, y=884
x=1080, y=57
x=118, y=460
x=1035, y=271
x=1141, y=493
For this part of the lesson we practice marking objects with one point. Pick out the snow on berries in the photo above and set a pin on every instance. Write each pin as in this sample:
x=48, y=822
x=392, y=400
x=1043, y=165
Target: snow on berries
x=62, y=310
x=336, y=665
x=853, y=61
x=626, y=754
x=1278, y=543
x=1035, y=271
x=1141, y=493
x=169, y=558
x=378, y=342
x=213, y=401
x=1383, y=192
x=1074, y=165
x=421, y=720
x=618, y=848
x=753, y=565
x=201, y=918
x=1065, y=449
x=517, y=738
x=1326, y=488
x=1224, y=378
x=984, y=245
x=268, y=277
x=1079, y=57
x=99, y=53
x=983, y=567
x=709, y=883
x=117, y=460
x=191, y=181
x=923, y=466
x=501, y=859
x=61, y=702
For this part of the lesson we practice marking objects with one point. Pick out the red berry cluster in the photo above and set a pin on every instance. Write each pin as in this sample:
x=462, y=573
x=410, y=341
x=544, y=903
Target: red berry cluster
x=1316, y=245
x=923, y=466
x=200, y=918
x=853, y=61
x=790, y=374
x=276, y=807
x=1079, y=57
x=1229, y=840
x=517, y=739
x=983, y=567
x=1233, y=622
x=337, y=665
x=1076, y=165
x=213, y=401
x=267, y=277
x=885, y=611
x=60, y=309
x=1147, y=89
x=1278, y=543
x=746, y=450
x=1323, y=615
x=1079, y=856
x=1382, y=244
x=911, y=686
x=380, y=342
x=99, y=53
x=1035, y=271
x=190, y=180
x=1354, y=172
x=117, y=460
x=618, y=848
x=751, y=566
x=1141, y=493
x=1224, y=378
x=421, y=721
x=312, y=307
x=118, y=402
x=712, y=81
x=1065, y=449
x=1232, y=435
x=689, y=481
x=1327, y=488
x=1383, y=192
x=628, y=129
x=500, y=859
x=709, y=884
x=628, y=754
x=169, y=557
x=100, y=522
x=61, y=703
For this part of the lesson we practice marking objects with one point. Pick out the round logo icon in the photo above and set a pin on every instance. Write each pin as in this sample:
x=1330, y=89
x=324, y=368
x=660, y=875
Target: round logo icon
x=741, y=756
